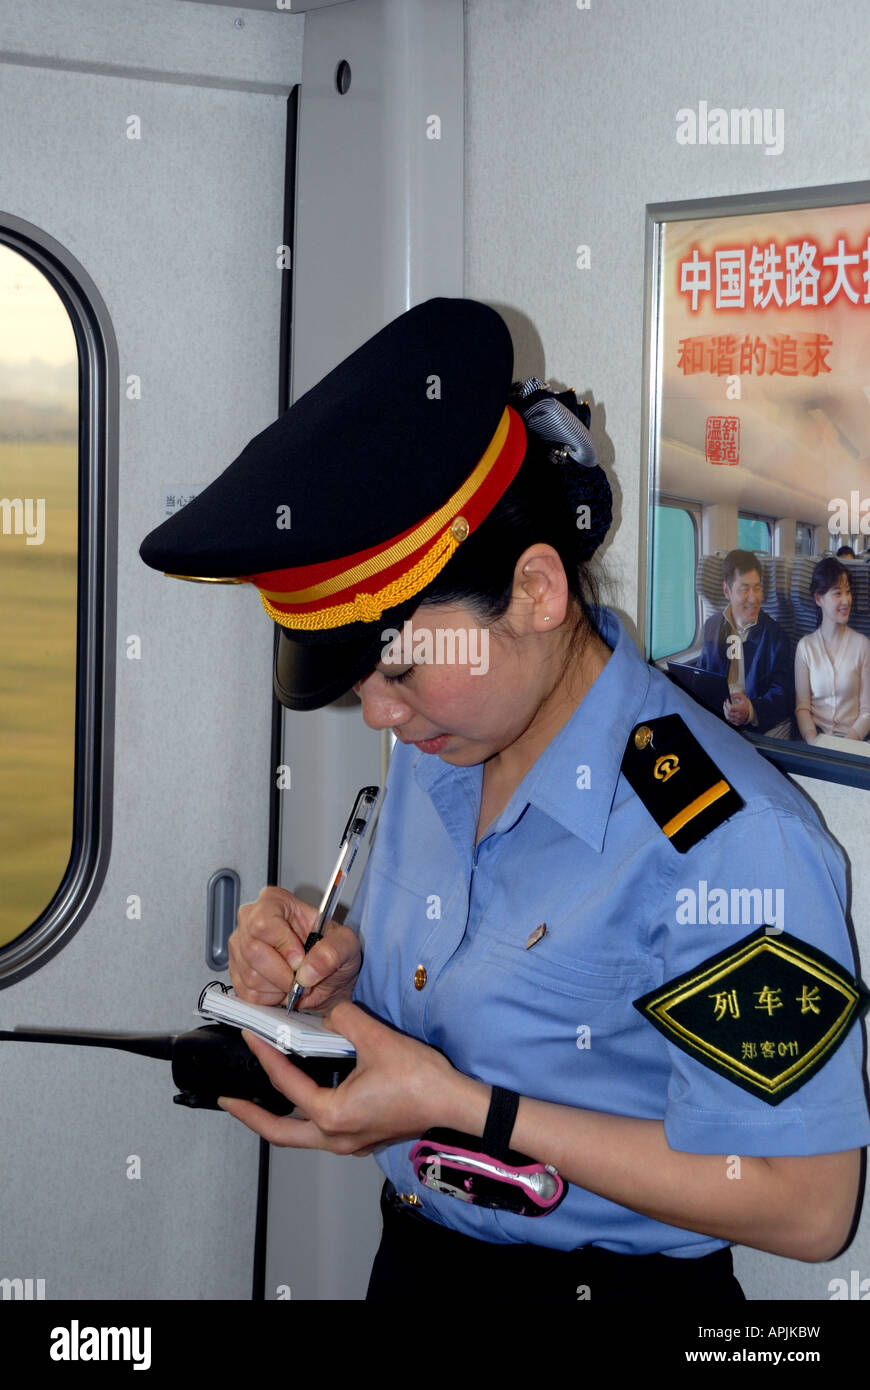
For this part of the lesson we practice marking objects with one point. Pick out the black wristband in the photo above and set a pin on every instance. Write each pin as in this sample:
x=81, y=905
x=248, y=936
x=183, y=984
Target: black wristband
x=500, y=1121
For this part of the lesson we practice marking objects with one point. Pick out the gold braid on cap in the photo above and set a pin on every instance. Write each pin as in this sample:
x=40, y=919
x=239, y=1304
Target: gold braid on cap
x=426, y=548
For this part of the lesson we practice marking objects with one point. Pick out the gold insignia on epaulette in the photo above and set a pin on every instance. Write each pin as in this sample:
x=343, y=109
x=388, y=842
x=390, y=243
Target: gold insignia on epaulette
x=765, y=1013
x=665, y=767
x=677, y=781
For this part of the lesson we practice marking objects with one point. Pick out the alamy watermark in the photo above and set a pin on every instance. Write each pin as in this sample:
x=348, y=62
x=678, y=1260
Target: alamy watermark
x=721, y=907
x=76, y=1343
x=849, y=517
x=441, y=646
x=854, y=1288
x=24, y=1289
x=17, y=518
x=743, y=125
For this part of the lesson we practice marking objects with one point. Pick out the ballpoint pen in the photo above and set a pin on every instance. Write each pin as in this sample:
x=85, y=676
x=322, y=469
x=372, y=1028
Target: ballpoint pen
x=358, y=823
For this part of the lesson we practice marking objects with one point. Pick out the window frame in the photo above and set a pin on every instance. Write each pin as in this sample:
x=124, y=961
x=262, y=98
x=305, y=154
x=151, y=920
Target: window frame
x=769, y=522
x=97, y=348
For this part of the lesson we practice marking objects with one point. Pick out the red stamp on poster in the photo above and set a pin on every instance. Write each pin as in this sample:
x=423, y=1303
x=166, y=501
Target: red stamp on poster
x=722, y=439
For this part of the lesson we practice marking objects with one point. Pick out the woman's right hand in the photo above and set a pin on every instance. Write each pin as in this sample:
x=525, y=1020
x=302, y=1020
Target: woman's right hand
x=267, y=947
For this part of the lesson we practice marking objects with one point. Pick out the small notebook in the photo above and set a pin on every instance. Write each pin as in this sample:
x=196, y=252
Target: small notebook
x=302, y=1033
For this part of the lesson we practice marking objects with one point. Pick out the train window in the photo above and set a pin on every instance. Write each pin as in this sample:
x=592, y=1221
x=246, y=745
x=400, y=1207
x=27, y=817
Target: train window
x=58, y=362
x=674, y=617
x=38, y=589
x=804, y=535
x=753, y=532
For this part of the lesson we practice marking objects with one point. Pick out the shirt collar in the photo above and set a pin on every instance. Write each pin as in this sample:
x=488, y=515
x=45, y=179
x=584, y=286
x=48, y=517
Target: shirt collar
x=741, y=631
x=594, y=737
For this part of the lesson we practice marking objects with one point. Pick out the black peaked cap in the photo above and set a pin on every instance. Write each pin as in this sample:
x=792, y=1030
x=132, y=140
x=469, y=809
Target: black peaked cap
x=373, y=449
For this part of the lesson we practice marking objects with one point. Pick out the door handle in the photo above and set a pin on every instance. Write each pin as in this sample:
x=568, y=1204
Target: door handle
x=221, y=912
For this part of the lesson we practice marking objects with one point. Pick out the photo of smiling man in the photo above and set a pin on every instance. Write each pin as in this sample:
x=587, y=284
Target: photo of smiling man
x=752, y=651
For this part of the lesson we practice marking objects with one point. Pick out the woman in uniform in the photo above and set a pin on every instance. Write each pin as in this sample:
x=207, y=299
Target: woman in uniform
x=599, y=939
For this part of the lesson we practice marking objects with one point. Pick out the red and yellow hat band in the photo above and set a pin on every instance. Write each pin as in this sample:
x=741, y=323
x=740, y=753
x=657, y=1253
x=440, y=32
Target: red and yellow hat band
x=360, y=587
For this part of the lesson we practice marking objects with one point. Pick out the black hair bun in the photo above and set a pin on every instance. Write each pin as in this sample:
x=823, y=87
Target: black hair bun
x=562, y=423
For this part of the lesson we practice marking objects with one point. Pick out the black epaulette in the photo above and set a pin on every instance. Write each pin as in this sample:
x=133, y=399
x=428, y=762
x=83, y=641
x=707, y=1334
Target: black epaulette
x=678, y=783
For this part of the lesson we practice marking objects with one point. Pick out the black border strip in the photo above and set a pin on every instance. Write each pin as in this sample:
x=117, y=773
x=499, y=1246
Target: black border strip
x=258, y=1283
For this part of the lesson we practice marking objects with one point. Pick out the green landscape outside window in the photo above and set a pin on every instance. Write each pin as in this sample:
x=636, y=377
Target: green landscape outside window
x=753, y=534
x=673, y=596
x=39, y=405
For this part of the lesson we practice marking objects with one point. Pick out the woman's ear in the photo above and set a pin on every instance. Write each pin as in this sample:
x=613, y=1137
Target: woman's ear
x=540, y=581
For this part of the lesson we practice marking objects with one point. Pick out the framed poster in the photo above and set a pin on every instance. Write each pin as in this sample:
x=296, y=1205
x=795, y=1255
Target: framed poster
x=758, y=446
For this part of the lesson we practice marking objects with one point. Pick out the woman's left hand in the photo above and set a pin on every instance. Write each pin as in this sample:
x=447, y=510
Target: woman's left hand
x=398, y=1089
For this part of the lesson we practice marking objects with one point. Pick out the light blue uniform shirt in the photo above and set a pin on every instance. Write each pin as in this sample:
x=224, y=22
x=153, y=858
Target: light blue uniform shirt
x=590, y=862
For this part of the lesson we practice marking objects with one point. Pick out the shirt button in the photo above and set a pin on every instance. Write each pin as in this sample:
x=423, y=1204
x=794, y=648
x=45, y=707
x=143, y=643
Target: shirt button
x=420, y=977
x=642, y=736
x=410, y=1199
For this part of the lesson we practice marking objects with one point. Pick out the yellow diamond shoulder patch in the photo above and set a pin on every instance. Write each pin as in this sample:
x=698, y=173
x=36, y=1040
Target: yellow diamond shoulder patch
x=766, y=1013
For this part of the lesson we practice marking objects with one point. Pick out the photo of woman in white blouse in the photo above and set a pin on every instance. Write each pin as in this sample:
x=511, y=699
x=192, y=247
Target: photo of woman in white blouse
x=832, y=664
